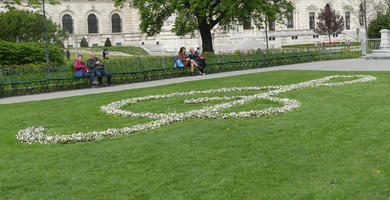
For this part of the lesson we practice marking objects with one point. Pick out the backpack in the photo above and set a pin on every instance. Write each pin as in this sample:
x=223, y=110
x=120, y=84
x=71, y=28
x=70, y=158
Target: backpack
x=201, y=61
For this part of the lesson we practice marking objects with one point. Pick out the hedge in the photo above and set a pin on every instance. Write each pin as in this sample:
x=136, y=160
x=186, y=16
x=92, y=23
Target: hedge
x=21, y=53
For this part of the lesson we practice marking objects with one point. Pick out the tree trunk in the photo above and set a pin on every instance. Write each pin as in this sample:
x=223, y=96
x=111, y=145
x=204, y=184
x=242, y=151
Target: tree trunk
x=330, y=41
x=266, y=33
x=205, y=33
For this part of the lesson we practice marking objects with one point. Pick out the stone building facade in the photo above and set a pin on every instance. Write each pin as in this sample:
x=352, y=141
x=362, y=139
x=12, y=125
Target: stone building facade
x=97, y=20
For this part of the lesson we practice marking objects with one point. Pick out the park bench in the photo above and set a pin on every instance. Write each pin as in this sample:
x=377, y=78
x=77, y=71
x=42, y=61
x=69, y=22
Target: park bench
x=23, y=87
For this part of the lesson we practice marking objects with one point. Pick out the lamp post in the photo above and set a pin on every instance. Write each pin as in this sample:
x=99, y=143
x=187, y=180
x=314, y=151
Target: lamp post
x=45, y=29
x=357, y=34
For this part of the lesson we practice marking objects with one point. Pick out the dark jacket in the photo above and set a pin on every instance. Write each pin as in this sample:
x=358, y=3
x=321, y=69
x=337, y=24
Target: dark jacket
x=194, y=55
x=92, y=64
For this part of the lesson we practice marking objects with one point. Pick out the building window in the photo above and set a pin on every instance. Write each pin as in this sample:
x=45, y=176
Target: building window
x=271, y=25
x=70, y=46
x=348, y=20
x=294, y=37
x=335, y=35
x=116, y=23
x=290, y=19
x=118, y=44
x=271, y=38
x=67, y=23
x=315, y=36
x=312, y=20
x=92, y=24
x=94, y=45
x=247, y=23
x=361, y=15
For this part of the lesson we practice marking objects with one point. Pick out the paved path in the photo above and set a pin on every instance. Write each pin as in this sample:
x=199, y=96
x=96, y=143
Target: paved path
x=337, y=65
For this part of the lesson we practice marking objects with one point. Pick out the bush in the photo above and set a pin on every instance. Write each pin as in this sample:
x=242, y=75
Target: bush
x=107, y=43
x=84, y=42
x=381, y=22
x=28, y=52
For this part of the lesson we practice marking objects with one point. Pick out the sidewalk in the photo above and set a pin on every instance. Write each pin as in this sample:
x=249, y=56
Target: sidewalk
x=336, y=65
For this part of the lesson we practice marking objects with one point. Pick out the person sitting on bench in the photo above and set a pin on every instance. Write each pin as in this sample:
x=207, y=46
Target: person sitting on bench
x=97, y=66
x=81, y=70
x=186, y=60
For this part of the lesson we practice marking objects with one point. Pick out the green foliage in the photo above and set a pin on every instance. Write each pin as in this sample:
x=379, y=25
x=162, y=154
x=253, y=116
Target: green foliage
x=84, y=42
x=329, y=22
x=107, y=43
x=10, y=4
x=381, y=22
x=136, y=51
x=204, y=15
x=26, y=26
x=28, y=52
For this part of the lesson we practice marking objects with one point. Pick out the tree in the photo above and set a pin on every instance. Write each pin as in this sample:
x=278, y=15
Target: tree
x=84, y=42
x=26, y=26
x=10, y=4
x=202, y=15
x=367, y=10
x=376, y=25
x=107, y=43
x=329, y=22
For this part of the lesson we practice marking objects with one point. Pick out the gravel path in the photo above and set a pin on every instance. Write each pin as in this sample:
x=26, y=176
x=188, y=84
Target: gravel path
x=337, y=65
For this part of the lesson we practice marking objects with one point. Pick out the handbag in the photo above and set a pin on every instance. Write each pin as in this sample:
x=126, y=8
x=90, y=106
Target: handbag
x=179, y=63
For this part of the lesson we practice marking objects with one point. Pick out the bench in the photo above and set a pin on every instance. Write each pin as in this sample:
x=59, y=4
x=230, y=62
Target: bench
x=15, y=88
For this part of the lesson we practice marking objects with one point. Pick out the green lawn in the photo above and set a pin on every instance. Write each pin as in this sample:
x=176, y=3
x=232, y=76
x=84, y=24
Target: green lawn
x=335, y=146
x=136, y=51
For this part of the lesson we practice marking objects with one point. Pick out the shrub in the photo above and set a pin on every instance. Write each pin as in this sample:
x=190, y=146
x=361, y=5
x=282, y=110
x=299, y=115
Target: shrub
x=107, y=43
x=28, y=52
x=381, y=22
x=84, y=42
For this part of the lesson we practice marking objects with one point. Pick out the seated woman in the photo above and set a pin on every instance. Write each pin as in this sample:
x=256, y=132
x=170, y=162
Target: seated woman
x=194, y=56
x=186, y=60
x=81, y=70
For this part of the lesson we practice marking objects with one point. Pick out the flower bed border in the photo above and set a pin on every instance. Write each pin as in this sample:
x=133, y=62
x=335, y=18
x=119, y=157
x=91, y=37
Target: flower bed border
x=36, y=134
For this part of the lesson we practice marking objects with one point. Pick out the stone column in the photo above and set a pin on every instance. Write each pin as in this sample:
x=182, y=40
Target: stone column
x=385, y=43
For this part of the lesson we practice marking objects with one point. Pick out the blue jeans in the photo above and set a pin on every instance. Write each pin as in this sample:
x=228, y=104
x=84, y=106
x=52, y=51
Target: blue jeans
x=90, y=74
x=100, y=73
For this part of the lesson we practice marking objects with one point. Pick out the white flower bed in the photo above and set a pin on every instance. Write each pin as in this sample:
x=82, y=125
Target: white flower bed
x=36, y=134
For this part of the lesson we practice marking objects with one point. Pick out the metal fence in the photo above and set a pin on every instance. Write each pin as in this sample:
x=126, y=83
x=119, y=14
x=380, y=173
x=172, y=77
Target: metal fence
x=369, y=45
x=27, y=81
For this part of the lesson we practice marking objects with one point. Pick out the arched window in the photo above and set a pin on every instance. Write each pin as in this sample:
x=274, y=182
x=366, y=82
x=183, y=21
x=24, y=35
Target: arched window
x=290, y=19
x=92, y=24
x=361, y=15
x=347, y=20
x=67, y=23
x=312, y=20
x=116, y=23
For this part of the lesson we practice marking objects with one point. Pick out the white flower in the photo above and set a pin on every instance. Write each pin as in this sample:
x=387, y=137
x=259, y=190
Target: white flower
x=36, y=134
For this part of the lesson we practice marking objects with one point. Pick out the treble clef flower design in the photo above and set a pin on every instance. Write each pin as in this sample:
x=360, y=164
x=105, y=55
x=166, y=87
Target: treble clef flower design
x=36, y=134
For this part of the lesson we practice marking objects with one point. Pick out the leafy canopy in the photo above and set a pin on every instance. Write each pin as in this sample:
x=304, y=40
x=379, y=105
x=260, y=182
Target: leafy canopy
x=26, y=26
x=189, y=15
x=376, y=25
x=10, y=4
x=329, y=22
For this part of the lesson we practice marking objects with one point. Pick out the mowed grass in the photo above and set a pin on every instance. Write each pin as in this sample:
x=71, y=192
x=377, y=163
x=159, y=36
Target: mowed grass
x=335, y=146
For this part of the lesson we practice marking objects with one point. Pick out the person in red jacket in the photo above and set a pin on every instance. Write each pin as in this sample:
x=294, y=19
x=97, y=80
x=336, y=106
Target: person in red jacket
x=81, y=70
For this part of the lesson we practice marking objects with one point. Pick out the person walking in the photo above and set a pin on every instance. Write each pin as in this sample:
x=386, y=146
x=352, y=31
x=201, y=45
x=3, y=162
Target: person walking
x=67, y=54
